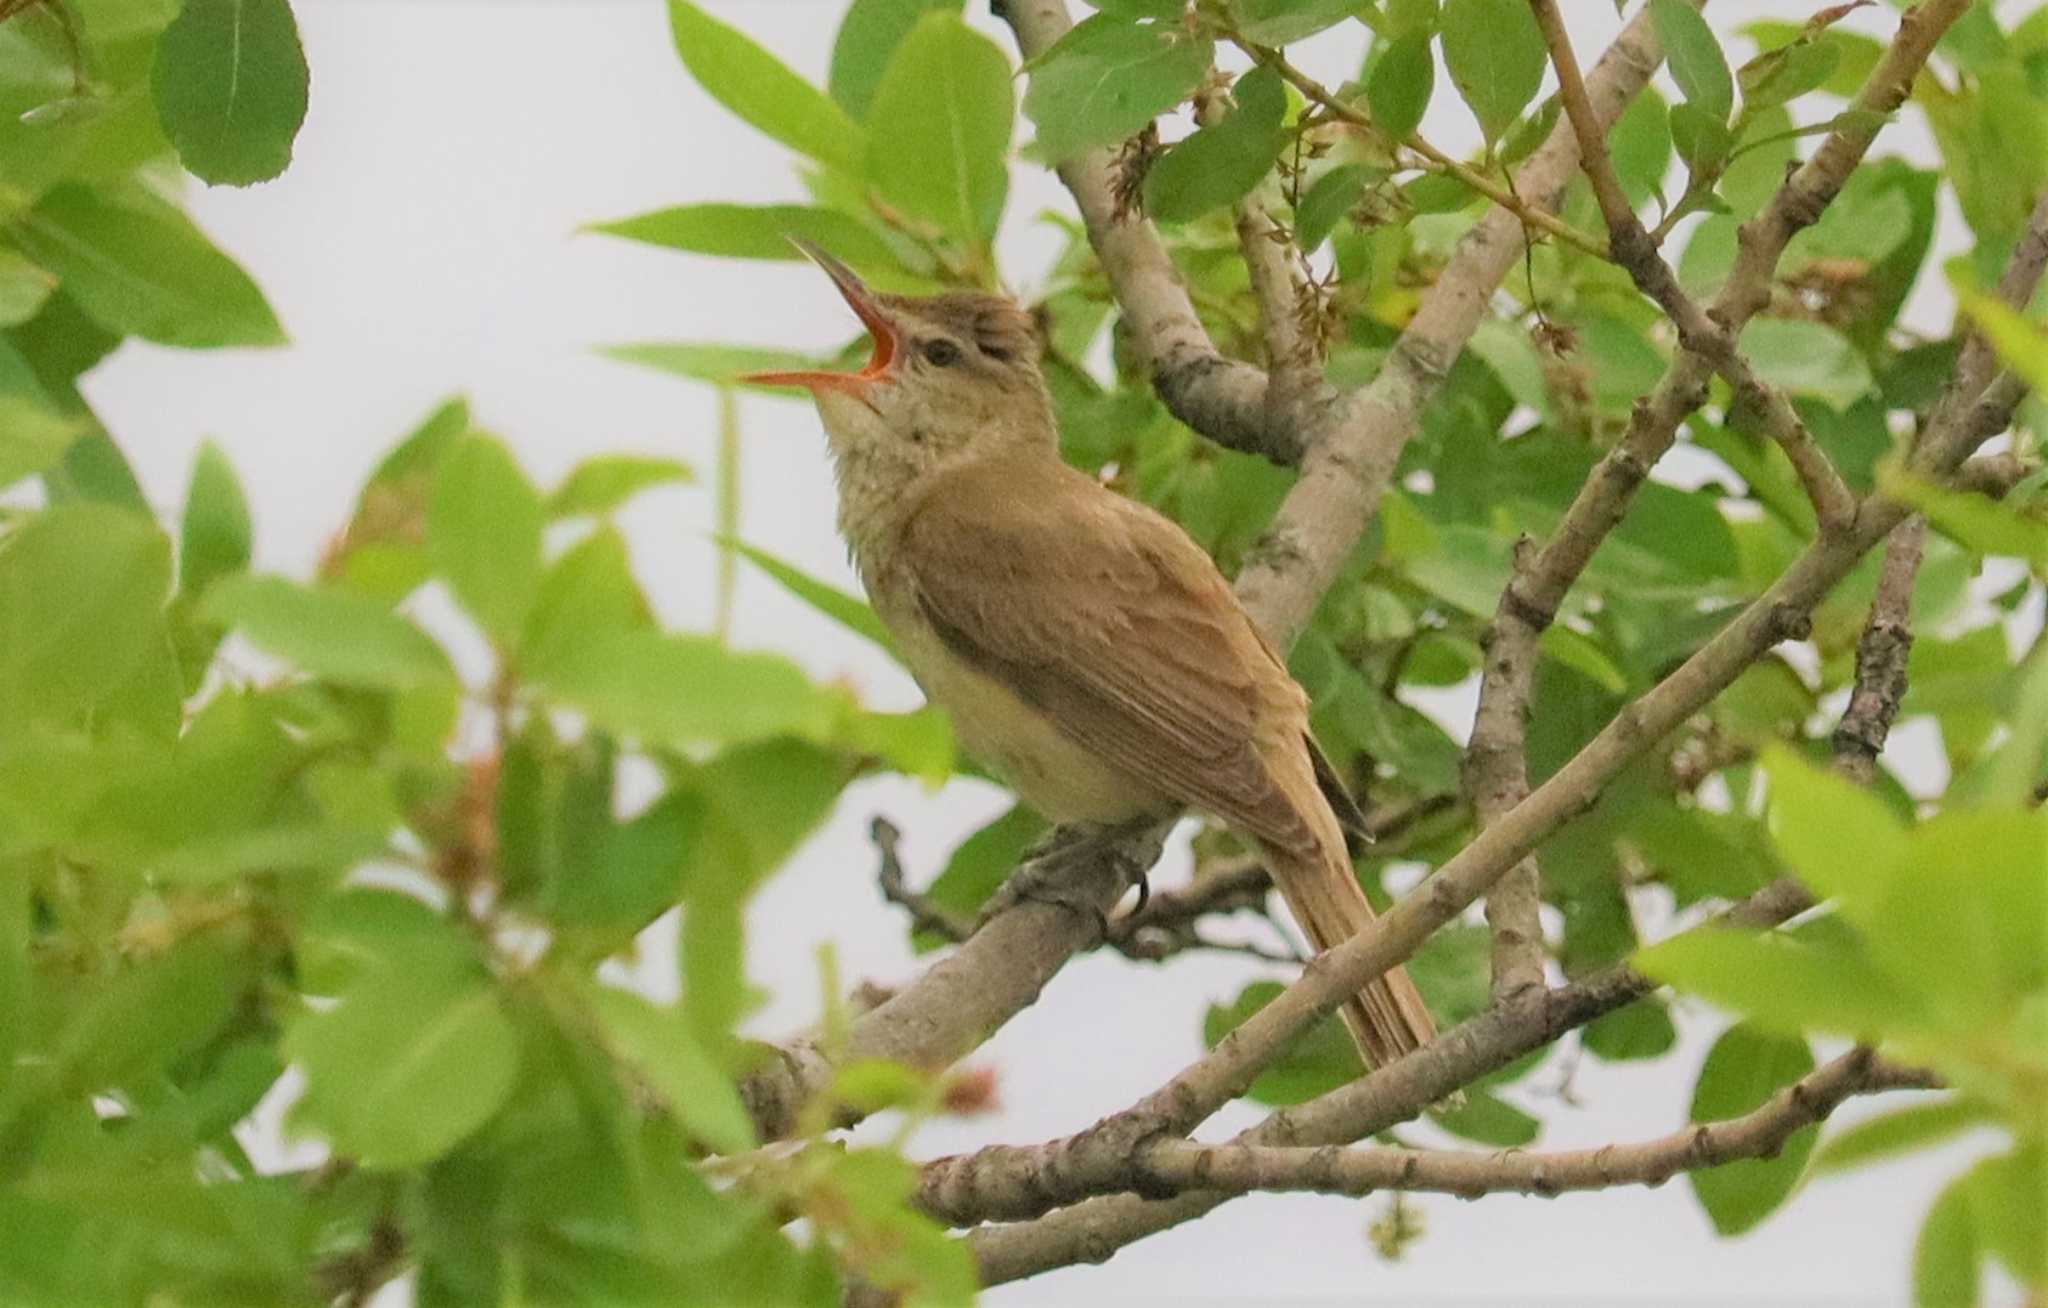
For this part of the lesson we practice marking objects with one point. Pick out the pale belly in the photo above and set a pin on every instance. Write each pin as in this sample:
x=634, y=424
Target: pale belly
x=1055, y=776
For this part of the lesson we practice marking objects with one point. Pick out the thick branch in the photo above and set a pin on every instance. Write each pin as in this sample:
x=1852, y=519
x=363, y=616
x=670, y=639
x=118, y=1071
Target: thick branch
x=1881, y=657
x=1178, y=1165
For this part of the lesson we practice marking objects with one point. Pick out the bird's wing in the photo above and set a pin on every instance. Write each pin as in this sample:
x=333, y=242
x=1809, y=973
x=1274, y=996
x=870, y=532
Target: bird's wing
x=1108, y=619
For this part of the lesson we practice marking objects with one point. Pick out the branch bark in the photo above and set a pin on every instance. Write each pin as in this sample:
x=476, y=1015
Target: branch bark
x=1235, y=1169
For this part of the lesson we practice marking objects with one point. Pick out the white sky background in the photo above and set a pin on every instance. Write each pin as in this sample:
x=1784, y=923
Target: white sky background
x=424, y=242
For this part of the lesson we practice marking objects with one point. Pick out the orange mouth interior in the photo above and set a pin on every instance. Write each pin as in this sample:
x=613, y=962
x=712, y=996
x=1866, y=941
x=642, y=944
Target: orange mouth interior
x=862, y=302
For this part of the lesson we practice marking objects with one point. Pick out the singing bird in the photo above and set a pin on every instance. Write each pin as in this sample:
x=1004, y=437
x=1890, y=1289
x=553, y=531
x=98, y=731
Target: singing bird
x=1088, y=651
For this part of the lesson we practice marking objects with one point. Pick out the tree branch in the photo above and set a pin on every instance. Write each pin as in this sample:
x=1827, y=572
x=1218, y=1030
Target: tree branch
x=1881, y=657
x=1175, y=1166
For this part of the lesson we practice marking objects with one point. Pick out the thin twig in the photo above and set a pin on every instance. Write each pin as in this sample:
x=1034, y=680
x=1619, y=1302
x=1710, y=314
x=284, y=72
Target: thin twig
x=925, y=913
x=1881, y=657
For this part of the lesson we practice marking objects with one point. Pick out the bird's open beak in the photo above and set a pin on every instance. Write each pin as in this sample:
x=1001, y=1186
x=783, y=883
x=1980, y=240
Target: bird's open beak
x=863, y=303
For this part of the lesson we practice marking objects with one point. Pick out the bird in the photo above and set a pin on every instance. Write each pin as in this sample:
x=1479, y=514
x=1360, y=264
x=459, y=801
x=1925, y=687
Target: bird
x=1089, y=652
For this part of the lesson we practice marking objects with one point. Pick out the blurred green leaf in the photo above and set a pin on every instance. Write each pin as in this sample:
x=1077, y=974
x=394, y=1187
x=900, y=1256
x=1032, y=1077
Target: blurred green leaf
x=484, y=522
x=723, y=365
x=33, y=436
x=2009, y=1209
x=600, y=485
x=82, y=589
x=138, y=265
x=940, y=128
x=1947, y=1255
x=230, y=88
x=1743, y=1070
x=1902, y=1130
x=1840, y=839
x=1223, y=161
x=759, y=90
x=759, y=231
x=329, y=633
x=24, y=288
x=1107, y=78
x=409, y=1063
x=589, y=590
x=868, y=36
x=1496, y=58
x=215, y=540
x=687, y=1081
x=2019, y=341
x=685, y=690
x=847, y=610
x=1785, y=985
x=1695, y=58
x=1702, y=143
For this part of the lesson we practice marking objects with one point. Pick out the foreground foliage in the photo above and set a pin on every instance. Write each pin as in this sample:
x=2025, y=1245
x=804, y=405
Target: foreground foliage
x=264, y=849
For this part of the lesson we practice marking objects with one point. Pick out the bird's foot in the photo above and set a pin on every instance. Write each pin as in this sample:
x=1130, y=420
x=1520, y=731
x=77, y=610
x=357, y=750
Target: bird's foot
x=1057, y=869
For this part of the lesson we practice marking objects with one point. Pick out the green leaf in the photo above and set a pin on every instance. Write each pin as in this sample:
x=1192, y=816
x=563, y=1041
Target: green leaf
x=1695, y=58
x=34, y=436
x=758, y=89
x=215, y=539
x=1976, y=522
x=1106, y=79
x=1809, y=359
x=1946, y=1255
x=1841, y=840
x=1398, y=88
x=1334, y=194
x=686, y=690
x=1703, y=144
x=980, y=862
x=1220, y=163
x=1777, y=76
x=939, y=141
x=1283, y=22
x=1783, y=984
x=230, y=88
x=2009, y=1209
x=759, y=231
x=918, y=744
x=721, y=365
x=1496, y=59
x=82, y=589
x=588, y=591
x=484, y=522
x=849, y=611
x=1320, y=1060
x=1743, y=1070
x=1903, y=1130
x=329, y=633
x=684, y=1077
x=24, y=288
x=1641, y=1030
x=600, y=485
x=1488, y=1120
x=868, y=35
x=139, y=266
x=408, y=1064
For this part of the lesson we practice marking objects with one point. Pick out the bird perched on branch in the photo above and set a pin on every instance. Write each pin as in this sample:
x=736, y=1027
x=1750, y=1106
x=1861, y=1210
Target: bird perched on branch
x=1087, y=649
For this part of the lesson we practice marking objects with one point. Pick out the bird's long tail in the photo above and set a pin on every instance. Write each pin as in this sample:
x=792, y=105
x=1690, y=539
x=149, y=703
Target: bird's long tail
x=1388, y=1017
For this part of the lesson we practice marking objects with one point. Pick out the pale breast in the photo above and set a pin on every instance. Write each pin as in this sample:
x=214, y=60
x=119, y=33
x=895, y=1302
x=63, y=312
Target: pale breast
x=1060, y=779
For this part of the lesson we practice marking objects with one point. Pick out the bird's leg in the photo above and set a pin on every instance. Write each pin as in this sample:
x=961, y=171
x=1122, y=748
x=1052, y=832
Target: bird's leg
x=1056, y=870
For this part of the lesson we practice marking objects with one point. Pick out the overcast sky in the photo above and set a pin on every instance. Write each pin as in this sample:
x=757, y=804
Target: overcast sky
x=425, y=243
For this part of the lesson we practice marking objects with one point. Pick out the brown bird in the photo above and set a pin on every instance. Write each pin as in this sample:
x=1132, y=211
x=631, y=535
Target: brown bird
x=1088, y=650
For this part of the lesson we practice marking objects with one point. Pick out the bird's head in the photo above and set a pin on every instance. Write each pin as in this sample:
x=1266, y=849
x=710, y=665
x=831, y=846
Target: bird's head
x=950, y=374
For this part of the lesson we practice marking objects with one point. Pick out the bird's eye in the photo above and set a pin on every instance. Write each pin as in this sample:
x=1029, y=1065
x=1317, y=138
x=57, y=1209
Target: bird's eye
x=941, y=353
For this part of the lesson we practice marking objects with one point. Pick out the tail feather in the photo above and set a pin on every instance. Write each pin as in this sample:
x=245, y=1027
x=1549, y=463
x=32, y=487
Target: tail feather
x=1388, y=1018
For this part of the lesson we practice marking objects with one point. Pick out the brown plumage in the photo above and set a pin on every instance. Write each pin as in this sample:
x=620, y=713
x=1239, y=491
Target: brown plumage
x=1087, y=649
